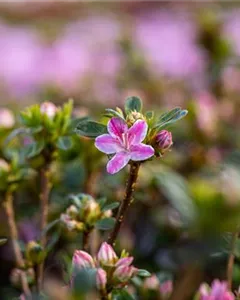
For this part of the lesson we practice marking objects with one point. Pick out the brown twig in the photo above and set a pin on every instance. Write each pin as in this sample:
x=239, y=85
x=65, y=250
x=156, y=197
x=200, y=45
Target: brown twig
x=127, y=200
x=44, y=197
x=8, y=206
x=231, y=260
x=86, y=235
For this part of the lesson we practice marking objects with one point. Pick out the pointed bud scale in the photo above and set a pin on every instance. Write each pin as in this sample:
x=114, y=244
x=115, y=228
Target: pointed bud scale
x=82, y=259
x=106, y=254
x=164, y=140
x=125, y=261
x=124, y=273
x=49, y=109
x=101, y=279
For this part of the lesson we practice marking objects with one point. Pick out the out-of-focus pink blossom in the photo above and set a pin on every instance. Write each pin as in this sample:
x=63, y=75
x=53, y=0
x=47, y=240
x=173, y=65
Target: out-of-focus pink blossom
x=125, y=261
x=106, y=255
x=168, y=44
x=7, y=119
x=49, y=109
x=101, y=279
x=151, y=283
x=166, y=288
x=207, y=113
x=231, y=29
x=218, y=291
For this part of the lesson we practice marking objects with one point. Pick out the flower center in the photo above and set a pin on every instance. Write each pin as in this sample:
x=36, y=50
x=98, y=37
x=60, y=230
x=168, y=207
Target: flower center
x=125, y=141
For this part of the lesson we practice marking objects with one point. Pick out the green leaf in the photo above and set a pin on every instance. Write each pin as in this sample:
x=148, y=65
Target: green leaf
x=111, y=206
x=83, y=282
x=3, y=241
x=102, y=201
x=149, y=115
x=133, y=104
x=105, y=224
x=15, y=133
x=49, y=227
x=174, y=118
x=169, y=114
x=143, y=273
x=34, y=149
x=90, y=129
x=113, y=113
x=122, y=294
x=64, y=143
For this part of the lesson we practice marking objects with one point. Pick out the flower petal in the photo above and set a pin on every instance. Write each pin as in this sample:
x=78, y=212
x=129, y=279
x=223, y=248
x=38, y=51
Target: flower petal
x=107, y=144
x=141, y=152
x=116, y=127
x=137, y=132
x=118, y=162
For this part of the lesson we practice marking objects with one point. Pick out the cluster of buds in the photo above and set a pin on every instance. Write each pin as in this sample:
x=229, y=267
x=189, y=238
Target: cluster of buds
x=154, y=289
x=217, y=291
x=133, y=116
x=83, y=214
x=16, y=276
x=111, y=271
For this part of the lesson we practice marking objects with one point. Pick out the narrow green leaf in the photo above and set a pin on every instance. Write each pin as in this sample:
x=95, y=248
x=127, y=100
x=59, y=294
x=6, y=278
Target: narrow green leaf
x=149, y=115
x=105, y=224
x=90, y=129
x=143, y=273
x=133, y=104
x=178, y=116
x=113, y=113
x=3, y=241
x=34, y=149
x=49, y=227
x=102, y=201
x=169, y=114
x=111, y=206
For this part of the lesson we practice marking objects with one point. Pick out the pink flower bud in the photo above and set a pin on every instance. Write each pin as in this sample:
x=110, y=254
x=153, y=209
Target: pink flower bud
x=106, y=254
x=164, y=140
x=125, y=261
x=166, y=288
x=6, y=118
x=82, y=259
x=49, y=109
x=151, y=283
x=124, y=273
x=101, y=279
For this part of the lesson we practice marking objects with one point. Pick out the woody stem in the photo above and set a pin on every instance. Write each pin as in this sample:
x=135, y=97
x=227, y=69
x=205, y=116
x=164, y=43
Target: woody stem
x=8, y=206
x=126, y=202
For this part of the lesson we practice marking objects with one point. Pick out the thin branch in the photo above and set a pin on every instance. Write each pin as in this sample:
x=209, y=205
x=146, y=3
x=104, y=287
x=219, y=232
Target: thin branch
x=8, y=206
x=44, y=199
x=126, y=202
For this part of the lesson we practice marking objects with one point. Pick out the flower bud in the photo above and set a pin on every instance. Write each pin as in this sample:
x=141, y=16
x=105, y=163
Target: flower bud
x=71, y=224
x=4, y=166
x=166, y=288
x=82, y=259
x=133, y=117
x=49, y=109
x=34, y=252
x=164, y=140
x=106, y=255
x=124, y=273
x=107, y=213
x=125, y=261
x=151, y=283
x=101, y=279
x=92, y=211
x=6, y=118
x=72, y=211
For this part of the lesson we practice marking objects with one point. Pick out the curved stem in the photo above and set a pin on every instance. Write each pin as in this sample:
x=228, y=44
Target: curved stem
x=127, y=200
x=8, y=206
x=44, y=196
x=231, y=260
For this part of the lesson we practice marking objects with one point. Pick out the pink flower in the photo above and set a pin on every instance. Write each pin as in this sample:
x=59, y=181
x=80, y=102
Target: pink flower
x=124, y=273
x=125, y=261
x=125, y=142
x=151, y=283
x=164, y=140
x=101, y=279
x=218, y=291
x=49, y=109
x=166, y=288
x=106, y=254
x=82, y=259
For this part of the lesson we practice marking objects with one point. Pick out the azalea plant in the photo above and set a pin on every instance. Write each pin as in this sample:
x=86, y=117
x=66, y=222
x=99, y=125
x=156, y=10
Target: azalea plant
x=96, y=266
